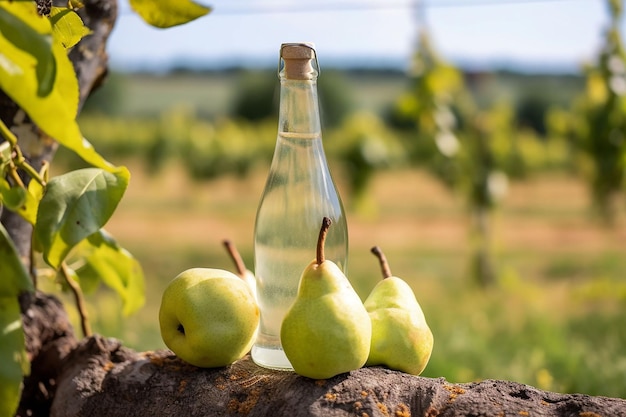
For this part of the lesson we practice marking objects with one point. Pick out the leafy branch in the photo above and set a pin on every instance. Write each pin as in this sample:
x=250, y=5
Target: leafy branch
x=68, y=212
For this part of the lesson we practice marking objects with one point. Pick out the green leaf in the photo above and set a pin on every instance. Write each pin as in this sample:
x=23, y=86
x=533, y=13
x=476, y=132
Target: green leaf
x=67, y=26
x=11, y=197
x=31, y=204
x=13, y=358
x=168, y=13
x=14, y=278
x=23, y=29
x=74, y=206
x=28, y=60
x=22, y=201
x=108, y=262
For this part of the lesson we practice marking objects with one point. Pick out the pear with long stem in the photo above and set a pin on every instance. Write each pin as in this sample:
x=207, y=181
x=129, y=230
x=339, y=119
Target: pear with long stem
x=401, y=338
x=327, y=330
x=240, y=266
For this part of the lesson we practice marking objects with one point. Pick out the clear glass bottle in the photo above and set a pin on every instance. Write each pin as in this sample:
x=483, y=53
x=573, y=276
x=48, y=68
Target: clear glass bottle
x=298, y=193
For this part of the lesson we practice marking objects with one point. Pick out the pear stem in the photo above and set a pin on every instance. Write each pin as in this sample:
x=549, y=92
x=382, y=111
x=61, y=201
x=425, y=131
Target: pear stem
x=384, y=265
x=321, y=240
x=236, y=257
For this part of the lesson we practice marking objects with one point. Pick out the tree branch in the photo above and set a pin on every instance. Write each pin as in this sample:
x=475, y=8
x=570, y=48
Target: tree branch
x=102, y=378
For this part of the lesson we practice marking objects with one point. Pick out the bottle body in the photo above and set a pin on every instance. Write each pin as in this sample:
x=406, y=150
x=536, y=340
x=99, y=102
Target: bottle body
x=298, y=193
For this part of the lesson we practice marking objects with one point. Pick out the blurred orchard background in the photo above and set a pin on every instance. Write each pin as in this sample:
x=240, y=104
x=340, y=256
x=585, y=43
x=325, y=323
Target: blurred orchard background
x=497, y=192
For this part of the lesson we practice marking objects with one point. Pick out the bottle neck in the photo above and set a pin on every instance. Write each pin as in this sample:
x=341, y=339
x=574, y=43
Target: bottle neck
x=299, y=108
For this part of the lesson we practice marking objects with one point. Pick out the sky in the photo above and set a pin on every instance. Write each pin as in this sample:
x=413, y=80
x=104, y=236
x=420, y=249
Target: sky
x=553, y=35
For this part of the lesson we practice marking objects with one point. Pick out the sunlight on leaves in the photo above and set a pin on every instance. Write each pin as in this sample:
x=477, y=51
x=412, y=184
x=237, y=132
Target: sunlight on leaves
x=12, y=347
x=76, y=205
x=168, y=13
x=28, y=210
x=11, y=197
x=50, y=101
x=14, y=364
x=67, y=26
x=25, y=46
x=15, y=278
x=106, y=261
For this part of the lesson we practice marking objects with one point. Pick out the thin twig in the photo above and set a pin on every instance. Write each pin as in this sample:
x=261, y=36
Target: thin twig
x=19, y=160
x=78, y=297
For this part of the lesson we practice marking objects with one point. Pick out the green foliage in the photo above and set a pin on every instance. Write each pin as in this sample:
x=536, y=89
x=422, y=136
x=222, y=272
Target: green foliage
x=255, y=98
x=226, y=148
x=107, y=99
x=335, y=98
x=168, y=13
x=67, y=26
x=531, y=112
x=68, y=211
x=75, y=206
x=51, y=91
x=14, y=364
x=598, y=119
x=12, y=349
x=516, y=335
x=364, y=146
x=15, y=279
x=104, y=260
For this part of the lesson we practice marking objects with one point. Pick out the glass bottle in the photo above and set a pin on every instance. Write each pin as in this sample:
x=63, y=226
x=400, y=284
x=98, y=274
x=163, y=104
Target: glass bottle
x=298, y=193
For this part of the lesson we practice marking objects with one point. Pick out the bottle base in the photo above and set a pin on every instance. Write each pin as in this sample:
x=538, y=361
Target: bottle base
x=271, y=358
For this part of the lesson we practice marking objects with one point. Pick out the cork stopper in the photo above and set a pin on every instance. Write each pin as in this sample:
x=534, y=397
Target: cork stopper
x=298, y=58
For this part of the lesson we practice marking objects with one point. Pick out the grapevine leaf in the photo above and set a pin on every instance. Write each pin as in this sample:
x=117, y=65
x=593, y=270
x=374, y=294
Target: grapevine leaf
x=168, y=13
x=67, y=26
x=108, y=262
x=74, y=206
x=14, y=364
x=27, y=52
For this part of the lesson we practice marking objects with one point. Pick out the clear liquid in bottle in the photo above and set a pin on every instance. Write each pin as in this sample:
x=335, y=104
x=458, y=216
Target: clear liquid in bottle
x=298, y=194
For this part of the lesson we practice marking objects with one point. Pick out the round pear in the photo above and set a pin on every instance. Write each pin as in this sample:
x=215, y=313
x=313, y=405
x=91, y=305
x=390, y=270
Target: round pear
x=208, y=317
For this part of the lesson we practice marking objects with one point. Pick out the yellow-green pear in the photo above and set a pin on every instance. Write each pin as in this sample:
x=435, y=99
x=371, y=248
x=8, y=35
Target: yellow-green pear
x=401, y=338
x=327, y=330
x=208, y=317
x=240, y=266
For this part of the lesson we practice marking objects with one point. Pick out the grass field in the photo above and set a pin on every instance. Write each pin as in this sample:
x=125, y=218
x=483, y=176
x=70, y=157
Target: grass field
x=555, y=320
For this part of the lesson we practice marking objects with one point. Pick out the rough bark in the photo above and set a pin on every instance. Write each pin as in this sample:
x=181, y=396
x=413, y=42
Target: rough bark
x=99, y=377
x=103, y=378
x=49, y=339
